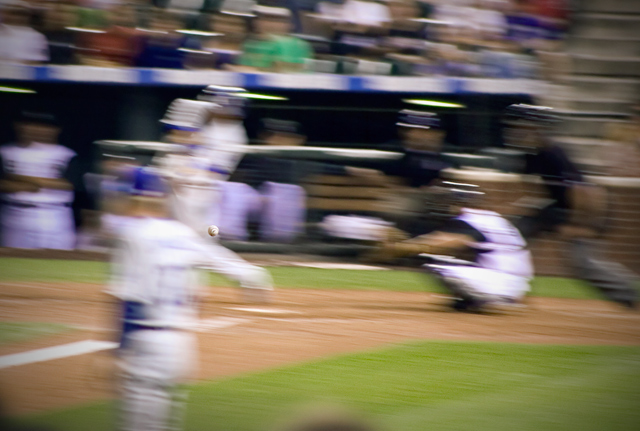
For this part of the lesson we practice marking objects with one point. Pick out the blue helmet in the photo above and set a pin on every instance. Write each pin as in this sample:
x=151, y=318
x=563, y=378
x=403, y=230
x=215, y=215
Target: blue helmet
x=147, y=181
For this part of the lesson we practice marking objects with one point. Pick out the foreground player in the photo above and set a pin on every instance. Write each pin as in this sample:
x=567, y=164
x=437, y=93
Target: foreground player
x=497, y=275
x=156, y=286
x=576, y=209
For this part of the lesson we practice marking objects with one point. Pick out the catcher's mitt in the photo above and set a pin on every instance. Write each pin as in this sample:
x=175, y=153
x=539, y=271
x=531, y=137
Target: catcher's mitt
x=386, y=250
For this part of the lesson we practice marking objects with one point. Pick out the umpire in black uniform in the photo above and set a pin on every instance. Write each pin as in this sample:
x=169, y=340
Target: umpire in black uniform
x=575, y=208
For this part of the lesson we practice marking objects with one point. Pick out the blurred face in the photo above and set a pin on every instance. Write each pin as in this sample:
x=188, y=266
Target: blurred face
x=403, y=9
x=285, y=139
x=229, y=25
x=123, y=16
x=29, y=132
x=523, y=135
x=422, y=139
x=183, y=137
x=17, y=16
x=272, y=25
x=60, y=16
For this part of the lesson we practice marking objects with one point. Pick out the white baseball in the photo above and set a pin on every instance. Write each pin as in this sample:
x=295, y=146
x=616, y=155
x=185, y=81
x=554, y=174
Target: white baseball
x=213, y=230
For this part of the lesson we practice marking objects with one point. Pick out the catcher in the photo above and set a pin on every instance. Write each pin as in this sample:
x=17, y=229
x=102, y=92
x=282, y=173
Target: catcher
x=492, y=266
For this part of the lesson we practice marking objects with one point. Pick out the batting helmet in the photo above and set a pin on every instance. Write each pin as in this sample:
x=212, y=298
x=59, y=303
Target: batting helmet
x=185, y=114
x=228, y=100
x=148, y=182
x=418, y=119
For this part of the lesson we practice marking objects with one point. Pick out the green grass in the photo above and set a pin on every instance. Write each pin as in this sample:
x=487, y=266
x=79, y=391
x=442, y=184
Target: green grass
x=424, y=386
x=80, y=271
x=12, y=269
x=11, y=332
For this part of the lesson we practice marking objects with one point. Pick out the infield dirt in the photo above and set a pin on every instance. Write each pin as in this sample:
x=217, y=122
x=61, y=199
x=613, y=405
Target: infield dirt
x=300, y=325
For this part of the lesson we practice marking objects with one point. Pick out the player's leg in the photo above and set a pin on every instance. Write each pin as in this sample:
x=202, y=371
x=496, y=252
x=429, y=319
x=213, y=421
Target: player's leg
x=19, y=226
x=613, y=280
x=283, y=216
x=237, y=203
x=154, y=365
x=58, y=228
x=479, y=289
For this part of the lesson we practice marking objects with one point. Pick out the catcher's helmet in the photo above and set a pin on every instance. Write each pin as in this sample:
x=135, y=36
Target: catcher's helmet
x=450, y=197
x=531, y=114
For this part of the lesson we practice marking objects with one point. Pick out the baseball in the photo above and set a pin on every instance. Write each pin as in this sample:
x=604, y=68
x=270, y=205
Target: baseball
x=213, y=230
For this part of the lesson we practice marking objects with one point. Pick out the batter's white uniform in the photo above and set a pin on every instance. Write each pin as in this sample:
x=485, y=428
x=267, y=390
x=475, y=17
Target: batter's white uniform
x=225, y=142
x=156, y=281
x=42, y=219
x=504, y=265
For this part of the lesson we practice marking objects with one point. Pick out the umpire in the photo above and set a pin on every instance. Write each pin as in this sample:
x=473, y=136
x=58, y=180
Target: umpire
x=576, y=209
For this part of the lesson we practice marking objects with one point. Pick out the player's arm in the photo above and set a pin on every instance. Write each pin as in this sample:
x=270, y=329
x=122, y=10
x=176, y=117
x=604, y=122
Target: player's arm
x=42, y=183
x=433, y=243
x=62, y=183
x=9, y=185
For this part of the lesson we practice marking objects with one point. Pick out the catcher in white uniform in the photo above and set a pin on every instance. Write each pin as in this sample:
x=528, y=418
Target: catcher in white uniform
x=155, y=284
x=498, y=268
x=194, y=191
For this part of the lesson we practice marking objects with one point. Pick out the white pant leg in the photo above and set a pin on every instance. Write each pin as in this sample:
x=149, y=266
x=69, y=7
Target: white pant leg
x=489, y=282
x=238, y=201
x=57, y=228
x=283, y=216
x=19, y=227
x=153, y=366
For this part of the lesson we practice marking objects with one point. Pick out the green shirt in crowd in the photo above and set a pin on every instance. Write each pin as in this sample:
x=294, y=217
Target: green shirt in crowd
x=263, y=53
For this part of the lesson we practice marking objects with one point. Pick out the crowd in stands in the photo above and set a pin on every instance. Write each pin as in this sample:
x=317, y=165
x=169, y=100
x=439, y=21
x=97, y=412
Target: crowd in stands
x=472, y=38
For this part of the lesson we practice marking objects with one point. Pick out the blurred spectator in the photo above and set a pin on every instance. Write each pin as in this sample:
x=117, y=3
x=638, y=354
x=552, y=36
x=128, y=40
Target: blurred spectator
x=624, y=157
x=524, y=26
x=90, y=16
x=19, y=42
x=194, y=5
x=62, y=41
x=223, y=49
x=271, y=47
x=113, y=45
x=490, y=22
x=160, y=45
x=35, y=175
x=358, y=27
x=405, y=40
x=554, y=17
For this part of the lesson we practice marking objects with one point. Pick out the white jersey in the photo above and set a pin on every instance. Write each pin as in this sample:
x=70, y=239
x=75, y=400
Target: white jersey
x=193, y=187
x=37, y=160
x=504, y=249
x=226, y=142
x=156, y=268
